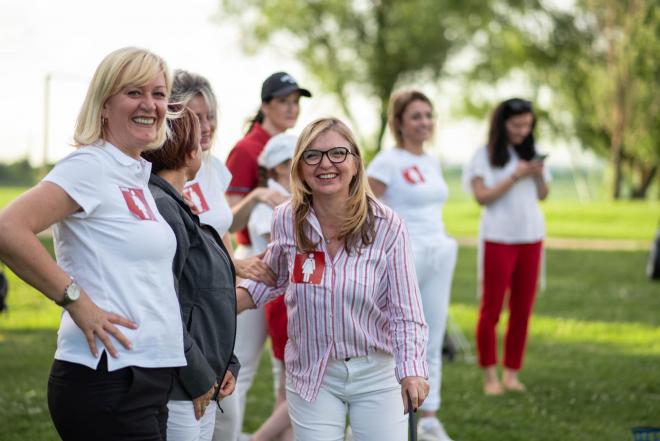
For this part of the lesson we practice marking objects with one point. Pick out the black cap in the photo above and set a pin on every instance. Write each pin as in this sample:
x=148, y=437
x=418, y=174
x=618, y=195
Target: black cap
x=281, y=84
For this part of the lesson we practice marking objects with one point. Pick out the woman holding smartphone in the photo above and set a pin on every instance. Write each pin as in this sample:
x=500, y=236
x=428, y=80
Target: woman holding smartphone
x=507, y=179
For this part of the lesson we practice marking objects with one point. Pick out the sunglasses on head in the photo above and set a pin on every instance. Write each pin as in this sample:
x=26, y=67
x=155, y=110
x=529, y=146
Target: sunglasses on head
x=519, y=105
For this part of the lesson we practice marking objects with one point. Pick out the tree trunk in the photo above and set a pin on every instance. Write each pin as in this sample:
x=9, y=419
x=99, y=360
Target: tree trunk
x=646, y=179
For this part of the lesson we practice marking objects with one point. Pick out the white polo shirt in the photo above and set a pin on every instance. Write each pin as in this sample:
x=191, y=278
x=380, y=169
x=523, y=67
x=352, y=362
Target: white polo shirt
x=207, y=191
x=515, y=217
x=261, y=219
x=416, y=190
x=119, y=249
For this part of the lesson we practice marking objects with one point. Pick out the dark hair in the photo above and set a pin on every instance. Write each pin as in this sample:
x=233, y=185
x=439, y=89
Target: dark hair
x=498, y=154
x=399, y=102
x=258, y=118
x=183, y=139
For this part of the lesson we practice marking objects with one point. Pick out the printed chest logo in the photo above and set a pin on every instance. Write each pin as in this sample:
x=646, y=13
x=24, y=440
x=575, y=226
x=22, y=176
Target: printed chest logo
x=413, y=175
x=193, y=192
x=137, y=203
x=308, y=268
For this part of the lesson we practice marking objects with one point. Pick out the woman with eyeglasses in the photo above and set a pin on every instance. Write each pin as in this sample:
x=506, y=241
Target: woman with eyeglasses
x=410, y=181
x=508, y=178
x=278, y=112
x=357, y=335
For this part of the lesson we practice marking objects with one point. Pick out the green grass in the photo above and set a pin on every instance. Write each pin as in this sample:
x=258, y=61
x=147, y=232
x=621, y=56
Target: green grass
x=592, y=365
x=8, y=194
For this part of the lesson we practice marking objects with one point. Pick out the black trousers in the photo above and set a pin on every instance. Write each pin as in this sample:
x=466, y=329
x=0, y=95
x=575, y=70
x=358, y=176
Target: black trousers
x=128, y=404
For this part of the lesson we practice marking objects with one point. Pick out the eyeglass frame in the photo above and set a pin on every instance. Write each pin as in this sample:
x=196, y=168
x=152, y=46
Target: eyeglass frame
x=327, y=153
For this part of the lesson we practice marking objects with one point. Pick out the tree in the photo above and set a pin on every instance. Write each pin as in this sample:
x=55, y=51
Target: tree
x=368, y=46
x=600, y=61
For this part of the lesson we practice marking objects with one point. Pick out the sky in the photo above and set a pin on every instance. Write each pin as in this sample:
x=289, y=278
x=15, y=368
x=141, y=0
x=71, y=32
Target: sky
x=67, y=39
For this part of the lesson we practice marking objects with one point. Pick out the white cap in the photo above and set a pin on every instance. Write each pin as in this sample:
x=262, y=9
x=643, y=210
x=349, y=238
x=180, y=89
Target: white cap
x=278, y=149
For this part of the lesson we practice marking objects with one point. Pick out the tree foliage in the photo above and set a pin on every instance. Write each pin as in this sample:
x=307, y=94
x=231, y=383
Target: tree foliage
x=600, y=61
x=366, y=46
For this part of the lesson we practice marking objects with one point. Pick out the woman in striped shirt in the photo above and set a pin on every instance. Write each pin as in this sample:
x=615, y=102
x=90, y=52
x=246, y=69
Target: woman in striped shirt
x=357, y=334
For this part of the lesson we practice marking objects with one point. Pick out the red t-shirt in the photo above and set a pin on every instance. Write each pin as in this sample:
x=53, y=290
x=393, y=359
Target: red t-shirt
x=242, y=163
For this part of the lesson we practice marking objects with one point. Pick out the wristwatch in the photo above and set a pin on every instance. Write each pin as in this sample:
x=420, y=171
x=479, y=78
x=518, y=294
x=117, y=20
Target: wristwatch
x=71, y=294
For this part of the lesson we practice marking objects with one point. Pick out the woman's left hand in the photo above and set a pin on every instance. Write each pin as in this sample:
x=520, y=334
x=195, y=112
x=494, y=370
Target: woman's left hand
x=228, y=385
x=417, y=388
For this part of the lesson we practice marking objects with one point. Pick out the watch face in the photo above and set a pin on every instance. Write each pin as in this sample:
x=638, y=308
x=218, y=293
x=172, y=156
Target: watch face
x=73, y=292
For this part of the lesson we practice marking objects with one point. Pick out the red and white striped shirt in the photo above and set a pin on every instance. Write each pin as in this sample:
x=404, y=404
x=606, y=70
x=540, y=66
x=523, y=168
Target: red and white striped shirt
x=364, y=302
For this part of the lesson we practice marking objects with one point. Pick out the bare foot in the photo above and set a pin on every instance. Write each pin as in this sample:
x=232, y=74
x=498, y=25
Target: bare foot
x=514, y=385
x=510, y=381
x=493, y=388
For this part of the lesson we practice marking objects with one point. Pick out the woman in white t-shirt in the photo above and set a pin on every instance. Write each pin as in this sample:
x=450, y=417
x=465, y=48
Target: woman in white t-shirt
x=410, y=181
x=207, y=191
x=114, y=260
x=508, y=178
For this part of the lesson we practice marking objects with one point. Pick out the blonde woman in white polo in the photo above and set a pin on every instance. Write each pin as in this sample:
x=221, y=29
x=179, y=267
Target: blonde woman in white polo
x=121, y=333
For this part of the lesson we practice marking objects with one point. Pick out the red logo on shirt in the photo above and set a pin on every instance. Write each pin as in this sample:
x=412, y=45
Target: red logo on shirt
x=308, y=268
x=413, y=175
x=194, y=194
x=137, y=203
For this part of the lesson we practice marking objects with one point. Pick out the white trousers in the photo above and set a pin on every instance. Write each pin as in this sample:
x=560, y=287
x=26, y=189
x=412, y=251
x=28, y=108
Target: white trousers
x=435, y=268
x=182, y=425
x=365, y=389
x=251, y=334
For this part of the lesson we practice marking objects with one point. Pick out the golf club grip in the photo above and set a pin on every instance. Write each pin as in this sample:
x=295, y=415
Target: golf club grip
x=412, y=424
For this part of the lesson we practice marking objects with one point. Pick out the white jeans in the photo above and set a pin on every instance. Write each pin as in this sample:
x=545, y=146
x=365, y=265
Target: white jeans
x=182, y=425
x=251, y=334
x=363, y=387
x=435, y=268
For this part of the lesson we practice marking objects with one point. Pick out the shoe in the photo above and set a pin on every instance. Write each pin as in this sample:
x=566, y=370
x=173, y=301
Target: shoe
x=431, y=429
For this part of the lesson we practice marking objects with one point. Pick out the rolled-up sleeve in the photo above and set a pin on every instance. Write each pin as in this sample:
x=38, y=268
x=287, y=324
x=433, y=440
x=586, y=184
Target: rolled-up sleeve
x=407, y=325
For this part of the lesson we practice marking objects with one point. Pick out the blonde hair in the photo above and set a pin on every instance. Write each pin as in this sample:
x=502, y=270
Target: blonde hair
x=357, y=228
x=187, y=85
x=123, y=67
x=399, y=102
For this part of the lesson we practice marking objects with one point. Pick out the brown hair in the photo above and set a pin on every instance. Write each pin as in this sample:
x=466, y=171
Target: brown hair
x=358, y=226
x=399, y=102
x=184, y=138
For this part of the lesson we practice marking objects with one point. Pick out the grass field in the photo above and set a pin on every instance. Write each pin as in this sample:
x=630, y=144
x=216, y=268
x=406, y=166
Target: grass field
x=592, y=367
x=593, y=364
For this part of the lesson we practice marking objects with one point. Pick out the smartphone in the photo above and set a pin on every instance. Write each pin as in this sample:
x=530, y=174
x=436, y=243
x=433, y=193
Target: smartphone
x=540, y=156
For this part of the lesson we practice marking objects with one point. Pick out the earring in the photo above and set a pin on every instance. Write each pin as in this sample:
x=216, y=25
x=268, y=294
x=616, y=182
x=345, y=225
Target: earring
x=104, y=121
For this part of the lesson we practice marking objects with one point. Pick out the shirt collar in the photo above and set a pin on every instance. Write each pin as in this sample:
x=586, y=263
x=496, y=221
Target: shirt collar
x=259, y=133
x=121, y=157
x=377, y=208
x=274, y=185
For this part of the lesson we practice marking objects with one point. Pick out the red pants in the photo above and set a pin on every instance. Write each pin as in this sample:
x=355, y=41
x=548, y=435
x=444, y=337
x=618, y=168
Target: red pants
x=513, y=267
x=277, y=326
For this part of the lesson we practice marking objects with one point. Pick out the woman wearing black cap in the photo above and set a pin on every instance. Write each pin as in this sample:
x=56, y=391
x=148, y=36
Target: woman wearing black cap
x=280, y=96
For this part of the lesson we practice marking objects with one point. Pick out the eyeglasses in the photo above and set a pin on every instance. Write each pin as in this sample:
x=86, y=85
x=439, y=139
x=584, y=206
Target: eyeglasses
x=336, y=155
x=519, y=105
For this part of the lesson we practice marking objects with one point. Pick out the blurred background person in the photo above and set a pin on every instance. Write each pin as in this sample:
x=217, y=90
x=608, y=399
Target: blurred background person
x=275, y=162
x=279, y=110
x=114, y=259
x=205, y=282
x=508, y=178
x=410, y=181
x=207, y=190
x=355, y=322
